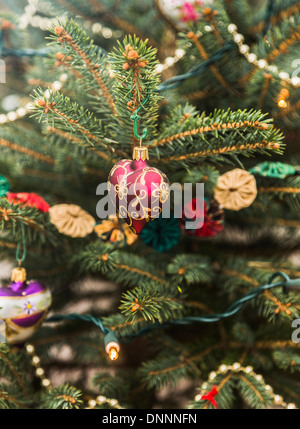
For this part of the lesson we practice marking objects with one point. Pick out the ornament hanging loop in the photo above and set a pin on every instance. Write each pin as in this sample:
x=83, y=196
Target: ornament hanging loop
x=19, y=274
x=22, y=258
x=136, y=117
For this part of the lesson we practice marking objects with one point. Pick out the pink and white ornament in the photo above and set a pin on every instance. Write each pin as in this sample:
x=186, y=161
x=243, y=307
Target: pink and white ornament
x=138, y=192
x=182, y=12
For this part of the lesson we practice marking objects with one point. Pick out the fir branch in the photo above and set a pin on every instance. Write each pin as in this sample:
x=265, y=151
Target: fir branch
x=211, y=128
x=37, y=224
x=134, y=79
x=124, y=268
x=151, y=303
x=253, y=391
x=168, y=370
x=74, y=37
x=294, y=37
x=283, y=14
x=286, y=360
x=11, y=367
x=204, y=55
x=62, y=397
x=26, y=151
x=76, y=140
x=110, y=386
x=62, y=112
x=243, y=149
x=189, y=269
x=133, y=272
x=11, y=399
x=230, y=133
x=123, y=327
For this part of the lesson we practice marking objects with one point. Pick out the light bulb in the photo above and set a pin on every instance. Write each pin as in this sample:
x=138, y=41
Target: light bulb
x=112, y=346
x=113, y=353
x=282, y=104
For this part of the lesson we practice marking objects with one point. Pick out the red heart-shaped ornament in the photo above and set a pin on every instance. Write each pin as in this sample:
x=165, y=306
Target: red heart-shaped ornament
x=138, y=192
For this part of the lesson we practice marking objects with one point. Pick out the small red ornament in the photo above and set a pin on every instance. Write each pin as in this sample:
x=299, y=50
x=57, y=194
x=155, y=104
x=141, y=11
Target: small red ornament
x=138, y=190
x=210, y=396
x=208, y=215
x=28, y=199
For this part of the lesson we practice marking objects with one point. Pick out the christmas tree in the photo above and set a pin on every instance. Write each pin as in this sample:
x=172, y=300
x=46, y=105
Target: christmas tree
x=113, y=304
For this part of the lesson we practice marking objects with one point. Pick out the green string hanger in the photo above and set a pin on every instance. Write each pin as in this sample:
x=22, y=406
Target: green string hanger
x=136, y=117
x=21, y=259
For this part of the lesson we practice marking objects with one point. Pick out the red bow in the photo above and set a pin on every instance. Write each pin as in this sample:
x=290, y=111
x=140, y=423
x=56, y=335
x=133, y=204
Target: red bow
x=210, y=396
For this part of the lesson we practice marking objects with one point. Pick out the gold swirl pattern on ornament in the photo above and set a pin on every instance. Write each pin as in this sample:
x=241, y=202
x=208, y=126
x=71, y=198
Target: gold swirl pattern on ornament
x=121, y=188
x=162, y=192
x=154, y=211
x=141, y=196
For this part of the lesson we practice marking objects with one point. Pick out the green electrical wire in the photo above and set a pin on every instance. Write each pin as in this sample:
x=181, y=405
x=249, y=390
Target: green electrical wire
x=75, y=316
x=286, y=283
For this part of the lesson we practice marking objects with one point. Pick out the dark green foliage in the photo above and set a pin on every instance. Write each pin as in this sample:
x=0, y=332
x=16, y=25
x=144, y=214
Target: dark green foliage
x=152, y=304
x=63, y=397
x=84, y=95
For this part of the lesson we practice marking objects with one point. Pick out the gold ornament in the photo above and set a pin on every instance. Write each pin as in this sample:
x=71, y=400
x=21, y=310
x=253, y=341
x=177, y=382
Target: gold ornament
x=18, y=275
x=71, y=220
x=115, y=230
x=236, y=189
x=140, y=152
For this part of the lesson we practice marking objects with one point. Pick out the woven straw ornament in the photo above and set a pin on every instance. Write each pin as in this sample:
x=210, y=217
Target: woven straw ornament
x=71, y=220
x=236, y=189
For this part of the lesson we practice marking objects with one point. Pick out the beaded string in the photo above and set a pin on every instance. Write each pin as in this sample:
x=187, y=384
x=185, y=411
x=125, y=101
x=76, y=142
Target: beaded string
x=114, y=403
x=260, y=63
x=23, y=111
x=46, y=383
x=235, y=368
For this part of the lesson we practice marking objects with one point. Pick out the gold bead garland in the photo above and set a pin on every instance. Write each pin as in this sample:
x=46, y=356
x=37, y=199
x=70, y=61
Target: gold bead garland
x=260, y=63
x=29, y=17
x=170, y=61
x=46, y=383
x=16, y=114
x=39, y=372
x=43, y=23
x=237, y=367
x=21, y=112
x=101, y=400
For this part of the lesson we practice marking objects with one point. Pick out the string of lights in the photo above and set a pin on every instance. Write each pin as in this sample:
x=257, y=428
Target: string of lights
x=111, y=342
